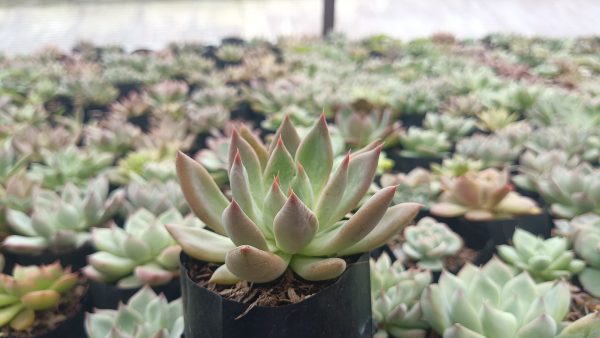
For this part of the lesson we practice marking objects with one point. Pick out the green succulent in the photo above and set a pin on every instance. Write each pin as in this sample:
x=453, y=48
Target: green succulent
x=361, y=128
x=482, y=196
x=230, y=53
x=262, y=232
x=140, y=253
x=424, y=143
x=30, y=290
x=10, y=162
x=573, y=141
x=415, y=100
x=69, y=165
x=586, y=242
x=455, y=127
x=146, y=315
x=419, y=185
x=395, y=294
x=133, y=105
x=571, y=191
x=144, y=165
x=516, y=133
x=113, y=135
x=491, y=302
x=61, y=223
x=168, y=98
x=154, y=196
x=533, y=165
x=544, y=260
x=429, y=242
x=455, y=166
x=493, y=150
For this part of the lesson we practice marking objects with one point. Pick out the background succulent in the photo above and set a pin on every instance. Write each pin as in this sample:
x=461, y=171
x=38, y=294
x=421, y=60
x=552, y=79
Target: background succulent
x=31, y=289
x=154, y=196
x=482, y=196
x=262, y=231
x=586, y=243
x=457, y=165
x=361, y=128
x=140, y=253
x=492, y=150
x=455, y=127
x=145, y=315
x=429, y=242
x=495, y=119
x=419, y=186
x=395, y=296
x=533, y=165
x=112, y=135
x=424, y=143
x=544, y=260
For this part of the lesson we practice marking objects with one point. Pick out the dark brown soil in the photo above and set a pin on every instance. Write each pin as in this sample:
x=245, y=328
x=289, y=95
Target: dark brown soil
x=288, y=289
x=582, y=304
x=47, y=321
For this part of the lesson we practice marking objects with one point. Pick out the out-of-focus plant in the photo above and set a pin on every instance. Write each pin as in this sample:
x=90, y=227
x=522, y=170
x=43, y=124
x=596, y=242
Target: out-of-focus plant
x=112, y=135
x=586, y=242
x=419, y=142
x=361, y=128
x=419, y=186
x=495, y=119
x=457, y=165
x=455, y=127
x=493, y=150
x=168, y=98
x=154, y=196
x=533, y=165
x=144, y=165
x=429, y=242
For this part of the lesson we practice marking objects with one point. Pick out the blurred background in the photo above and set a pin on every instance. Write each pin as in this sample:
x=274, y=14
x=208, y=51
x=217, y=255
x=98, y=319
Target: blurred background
x=25, y=26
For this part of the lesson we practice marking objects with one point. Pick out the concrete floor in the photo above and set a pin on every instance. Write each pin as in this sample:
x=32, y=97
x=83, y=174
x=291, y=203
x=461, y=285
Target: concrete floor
x=27, y=25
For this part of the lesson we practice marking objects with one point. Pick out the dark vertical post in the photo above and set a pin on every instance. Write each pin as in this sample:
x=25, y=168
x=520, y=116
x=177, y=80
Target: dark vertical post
x=328, y=16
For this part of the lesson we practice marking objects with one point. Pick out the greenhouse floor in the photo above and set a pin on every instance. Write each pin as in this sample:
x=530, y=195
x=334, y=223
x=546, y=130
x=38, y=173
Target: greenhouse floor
x=27, y=25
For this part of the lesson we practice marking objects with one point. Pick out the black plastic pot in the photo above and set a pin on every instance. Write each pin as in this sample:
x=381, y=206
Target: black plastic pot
x=76, y=259
x=341, y=310
x=108, y=296
x=407, y=163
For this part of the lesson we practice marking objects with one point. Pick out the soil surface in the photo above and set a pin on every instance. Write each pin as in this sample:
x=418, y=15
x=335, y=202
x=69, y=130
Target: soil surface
x=582, y=304
x=47, y=321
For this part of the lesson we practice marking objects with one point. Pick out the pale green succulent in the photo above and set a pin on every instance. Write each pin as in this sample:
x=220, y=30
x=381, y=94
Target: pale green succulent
x=482, y=196
x=263, y=231
x=419, y=142
x=516, y=133
x=10, y=162
x=495, y=119
x=586, y=242
x=573, y=141
x=419, y=186
x=168, y=98
x=144, y=165
x=61, y=223
x=154, y=196
x=230, y=53
x=69, y=165
x=491, y=302
x=533, y=165
x=112, y=135
x=455, y=166
x=493, y=150
x=140, y=253
x=395, y=294
x=146, y=315
x=31, y=289
x=455, y=127
x=571, y=191
x=429, y=242
x=361, y=128
x=544, y=260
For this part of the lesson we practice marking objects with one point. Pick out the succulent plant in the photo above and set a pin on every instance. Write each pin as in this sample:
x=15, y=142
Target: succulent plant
x=31, y=289
x=455, y=166
x=495, y=119
x=516, y=133
x=544, y=260
x=230, y=53
x=573, y=141
x=424, y=143
x=455, y=127
x=155, y=196
x=493, y=150
x=361, y=128
x=395, y=298
x=459, y=106
x=568, y=228
x=10, y=163
x=140, y=253
x=61, y=222
x=571, y=191
x=491, y=302
x=261, y=231
x=168, y=98
x=32, y=141
x=415, y=100
x=132, y=105
x=112, y=135
x=586, y=242
x=533, y=165
x=429, y=242
x=419, y=185
x=481, y=196
x=69, y=165
x=145, y=315
x=144, y=165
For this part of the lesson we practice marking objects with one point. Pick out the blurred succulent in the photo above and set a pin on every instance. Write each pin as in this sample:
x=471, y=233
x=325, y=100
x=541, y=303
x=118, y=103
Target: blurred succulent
x=419, y=186
x=455, y=127
x=481, y=196
x=140, y=253
x=32, y=289
x=533, y=165
x=419, y=142
x=69, y=165
x=15, y=194
x=90, y=89
x=230, y=53
x=361, y=128
x=112, y=135
x=515, y=98
x=144, y=165
x=586, y=242
x=459, y=106
x=133, y=105
x=415, y=100
x=493, y=150
x=544, y=260
x=261, y=231
x=516, y=133
x=32, y=141
x=202, y=119
x=429, y=242
x=571, y=191
x=145, y=315
x=10, y=163
x=299, y=116
x=167, y=136
x=495, y=119
x=568, y=228
x=220, y=94
x=168, y=98
x=491, y=302
x=395, y=296
x=61, y=223
x=573, y=141
x=155, y=196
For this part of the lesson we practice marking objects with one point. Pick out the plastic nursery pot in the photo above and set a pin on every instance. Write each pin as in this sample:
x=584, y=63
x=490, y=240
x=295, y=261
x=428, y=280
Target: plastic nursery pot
x=407, y=163
x=108, y=296
x=341, y=310
x=76, y=259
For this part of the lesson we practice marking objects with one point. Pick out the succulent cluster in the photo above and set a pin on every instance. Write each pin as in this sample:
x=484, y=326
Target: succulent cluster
x=480, y=196
x=457, y=165
x=419, y=185
x=495, y=119
x=533, y=166
x=455, y=127
x=154, y=196
x=586, y=242
x=396, y=294
x=140, y=253
x=359, y=128
x=424, y=143
x=31, y=289
x=429, y=242
x=262, y=231
x=493, y=150
x=145, y=315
